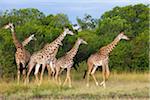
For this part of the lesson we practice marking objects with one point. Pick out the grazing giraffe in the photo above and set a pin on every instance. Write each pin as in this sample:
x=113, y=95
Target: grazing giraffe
x=101, y=59
x=67, y=61
x=45, y=55
x=22, y=56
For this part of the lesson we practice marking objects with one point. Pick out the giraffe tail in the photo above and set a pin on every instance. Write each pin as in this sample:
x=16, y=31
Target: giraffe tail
x=84, y=74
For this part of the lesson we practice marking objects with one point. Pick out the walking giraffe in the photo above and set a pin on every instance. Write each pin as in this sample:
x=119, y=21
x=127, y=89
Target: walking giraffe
x=22, y=56
x=45, y=55
x=67, y=61
x=101, y=59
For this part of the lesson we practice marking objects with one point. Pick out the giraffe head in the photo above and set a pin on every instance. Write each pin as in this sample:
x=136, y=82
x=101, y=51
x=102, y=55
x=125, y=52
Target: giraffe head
x=9, y=26
x=81, y=41
x=123, y=36
x=32, y=37
x=67, y=31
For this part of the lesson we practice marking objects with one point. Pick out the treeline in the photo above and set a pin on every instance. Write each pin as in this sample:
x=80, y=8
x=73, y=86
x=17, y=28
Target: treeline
x=127, y=56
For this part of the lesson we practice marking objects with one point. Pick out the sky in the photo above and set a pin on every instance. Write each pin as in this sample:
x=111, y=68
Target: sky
x=72, y=8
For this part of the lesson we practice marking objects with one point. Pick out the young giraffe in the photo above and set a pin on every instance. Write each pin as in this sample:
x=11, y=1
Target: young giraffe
x=101, y=59
x=22, y=56
x=47, y=54
x=67, y=61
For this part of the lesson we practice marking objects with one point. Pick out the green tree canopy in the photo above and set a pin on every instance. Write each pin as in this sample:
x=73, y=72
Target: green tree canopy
x=87, y=22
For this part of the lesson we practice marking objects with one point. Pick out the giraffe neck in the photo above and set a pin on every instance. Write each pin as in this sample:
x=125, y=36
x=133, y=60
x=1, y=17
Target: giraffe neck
x=54, y=46
x=15, y=39
x=59, y=39
x=74, y=50
x=112, y=45
x=27, y=40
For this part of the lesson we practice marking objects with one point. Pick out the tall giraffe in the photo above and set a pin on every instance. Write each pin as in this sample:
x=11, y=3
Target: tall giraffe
x=22, y=56
x=67, y=61
x=45, y=55
x=101, y=58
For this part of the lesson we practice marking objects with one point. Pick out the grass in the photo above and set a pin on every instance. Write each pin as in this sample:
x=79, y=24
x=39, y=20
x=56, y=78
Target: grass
x=119, y=86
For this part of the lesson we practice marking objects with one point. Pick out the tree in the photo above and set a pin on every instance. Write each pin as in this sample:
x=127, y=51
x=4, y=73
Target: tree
x=113, y=25
x=87, y=22
x=136, y=16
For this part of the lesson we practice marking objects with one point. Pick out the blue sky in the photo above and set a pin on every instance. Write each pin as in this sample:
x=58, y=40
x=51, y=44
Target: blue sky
x=73, y=8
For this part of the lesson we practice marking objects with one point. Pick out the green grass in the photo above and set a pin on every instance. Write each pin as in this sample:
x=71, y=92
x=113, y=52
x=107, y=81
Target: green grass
x=119, y=86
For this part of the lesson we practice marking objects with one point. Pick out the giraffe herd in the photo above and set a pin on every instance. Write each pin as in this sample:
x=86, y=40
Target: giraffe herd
x=46, y=58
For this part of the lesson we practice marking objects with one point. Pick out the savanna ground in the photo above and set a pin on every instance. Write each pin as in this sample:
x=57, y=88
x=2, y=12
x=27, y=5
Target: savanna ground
x=125, y=86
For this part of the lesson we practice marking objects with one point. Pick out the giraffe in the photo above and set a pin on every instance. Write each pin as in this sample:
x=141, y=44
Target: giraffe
x=45, y=55
x=67, y=61
x=27, y=40
x=101, y=58
x=22, y=56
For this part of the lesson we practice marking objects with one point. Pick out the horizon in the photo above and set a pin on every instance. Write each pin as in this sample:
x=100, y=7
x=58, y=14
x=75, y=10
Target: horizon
x=72, y=9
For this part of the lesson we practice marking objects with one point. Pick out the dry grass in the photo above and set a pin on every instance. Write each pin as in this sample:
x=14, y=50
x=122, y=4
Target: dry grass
x=119, y=86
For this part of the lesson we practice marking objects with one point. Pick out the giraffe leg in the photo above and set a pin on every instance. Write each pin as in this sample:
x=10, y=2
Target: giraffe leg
x=42, y=72
x=103, y=75
x=92, y=73
x=49, y=71
x=18, y=73
x=59, y=80
x=52, y=67
x=36, y=72
x=107, y=72
x=65, y=80
x=57, y=73
x=30, y=67
x=24, y=72
x=88, y=73
x=68, y=77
